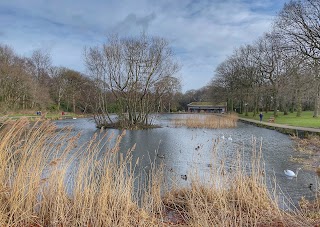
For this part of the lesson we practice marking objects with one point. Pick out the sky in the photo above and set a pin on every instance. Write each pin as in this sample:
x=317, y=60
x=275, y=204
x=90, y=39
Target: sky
x=201, y=33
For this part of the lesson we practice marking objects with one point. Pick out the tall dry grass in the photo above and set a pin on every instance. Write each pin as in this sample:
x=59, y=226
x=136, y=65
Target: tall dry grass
x=235, y=194
x=208, y=121
x=47, y=179
x=39, y=164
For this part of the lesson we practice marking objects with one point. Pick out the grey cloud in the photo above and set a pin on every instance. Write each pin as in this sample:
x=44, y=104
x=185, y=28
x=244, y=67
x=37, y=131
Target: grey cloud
x=132, y=22
x=201, y=32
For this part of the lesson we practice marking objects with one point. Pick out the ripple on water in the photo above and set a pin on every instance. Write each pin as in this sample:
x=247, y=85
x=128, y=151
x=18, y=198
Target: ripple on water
x=185, y=149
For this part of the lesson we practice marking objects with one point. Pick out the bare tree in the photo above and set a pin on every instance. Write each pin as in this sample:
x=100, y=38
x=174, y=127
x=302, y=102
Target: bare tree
x=39, y=67
x=15, y=81
x=278, y=66
x=41, y=62
x=96, y=64
x=248, y=77
x=299, y=21
x=269, y=59
x=59, y=84
x=132, y=69
x=225, y=78
x=165, y=90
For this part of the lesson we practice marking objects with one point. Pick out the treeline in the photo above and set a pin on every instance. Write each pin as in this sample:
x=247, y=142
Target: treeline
x=279, y=71
x=34, y=84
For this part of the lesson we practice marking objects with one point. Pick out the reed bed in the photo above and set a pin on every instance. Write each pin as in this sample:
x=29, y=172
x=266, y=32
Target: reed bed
x=310, y=146
x=235, y=194
x=47, y=179
x=208, y=121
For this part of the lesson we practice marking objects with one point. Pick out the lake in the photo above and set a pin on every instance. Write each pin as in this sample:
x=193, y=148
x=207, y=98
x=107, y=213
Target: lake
x=183, y=150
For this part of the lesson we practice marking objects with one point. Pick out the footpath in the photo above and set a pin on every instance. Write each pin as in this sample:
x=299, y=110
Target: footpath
x=286, y=129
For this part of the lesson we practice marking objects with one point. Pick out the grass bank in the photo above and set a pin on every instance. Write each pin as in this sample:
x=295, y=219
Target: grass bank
x=35, y=179
x=306, y=119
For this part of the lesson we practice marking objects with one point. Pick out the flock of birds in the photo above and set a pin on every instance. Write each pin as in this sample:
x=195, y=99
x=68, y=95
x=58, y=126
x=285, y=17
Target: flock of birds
x=287, y=172
x=223, y=138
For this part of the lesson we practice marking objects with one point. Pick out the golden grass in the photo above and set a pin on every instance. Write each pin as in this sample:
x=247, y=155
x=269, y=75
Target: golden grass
x=233, y=198
x=208, y=121
x=310, y=146
x=37, y=163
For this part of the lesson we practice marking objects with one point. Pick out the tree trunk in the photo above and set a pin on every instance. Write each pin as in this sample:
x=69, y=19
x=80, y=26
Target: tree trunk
x=275, y=105
x=24, y=102
x=59, y=98
x=275, y=100
x=316, y=101
x=73, y=103
x=231, y=105
x=246, y=109
x=292, y=106
x=299, y=104
x=256, y=105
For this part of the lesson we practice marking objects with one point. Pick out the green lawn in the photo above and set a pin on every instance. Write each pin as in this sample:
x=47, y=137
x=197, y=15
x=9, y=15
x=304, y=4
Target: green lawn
x=306, y=119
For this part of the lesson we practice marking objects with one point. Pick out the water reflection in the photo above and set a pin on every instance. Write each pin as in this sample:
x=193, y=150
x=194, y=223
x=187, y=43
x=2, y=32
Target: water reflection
x=183, y=150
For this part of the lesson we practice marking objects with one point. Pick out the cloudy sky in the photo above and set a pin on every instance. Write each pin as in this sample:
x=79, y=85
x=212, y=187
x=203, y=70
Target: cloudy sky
x=202, y=33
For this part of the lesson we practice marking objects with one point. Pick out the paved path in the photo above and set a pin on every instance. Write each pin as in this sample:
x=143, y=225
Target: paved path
x=281, y=126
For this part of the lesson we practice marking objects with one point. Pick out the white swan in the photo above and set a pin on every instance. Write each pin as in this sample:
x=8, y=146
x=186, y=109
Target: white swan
x=290, y=173
x=222, y=137
x=230, y=138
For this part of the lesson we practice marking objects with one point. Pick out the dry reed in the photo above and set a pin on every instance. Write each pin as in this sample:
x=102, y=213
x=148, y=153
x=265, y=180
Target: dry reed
x=310, y=146
x=235, y=196
x=208, y=121
x=46, y=181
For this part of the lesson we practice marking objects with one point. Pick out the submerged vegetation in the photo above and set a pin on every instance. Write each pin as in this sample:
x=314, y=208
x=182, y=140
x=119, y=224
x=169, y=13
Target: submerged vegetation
x=208, y=121
x=48, y=179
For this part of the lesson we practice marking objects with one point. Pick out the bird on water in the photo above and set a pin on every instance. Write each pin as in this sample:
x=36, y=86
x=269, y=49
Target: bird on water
x=160, y=155
x=290, y=173
x=184, y=177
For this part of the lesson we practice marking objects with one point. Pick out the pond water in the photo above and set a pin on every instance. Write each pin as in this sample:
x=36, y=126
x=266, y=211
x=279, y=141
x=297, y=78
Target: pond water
x=182, y=150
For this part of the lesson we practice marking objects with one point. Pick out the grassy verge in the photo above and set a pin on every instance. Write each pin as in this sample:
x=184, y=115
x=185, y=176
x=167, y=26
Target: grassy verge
x=35, y=171
x=306, y=119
